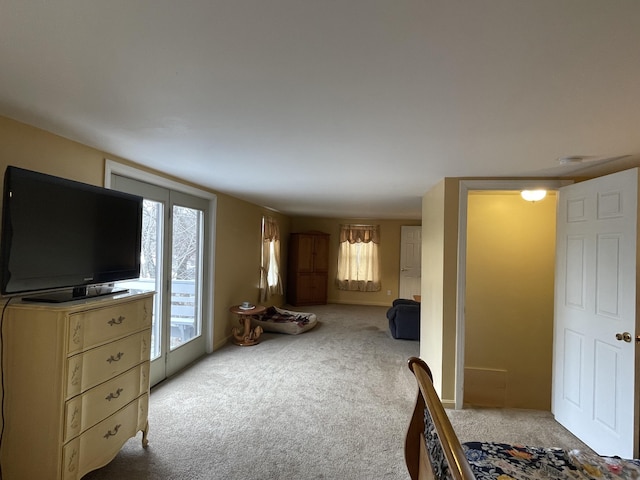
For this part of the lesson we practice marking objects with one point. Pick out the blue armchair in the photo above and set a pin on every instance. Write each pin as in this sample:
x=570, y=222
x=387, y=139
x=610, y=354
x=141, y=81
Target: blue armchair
x=404, y=319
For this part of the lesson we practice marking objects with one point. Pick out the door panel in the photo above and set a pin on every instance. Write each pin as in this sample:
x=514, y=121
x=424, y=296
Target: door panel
x=156, y=201
x=573, y=353
x=410, y=261
x=305, y=253
x=187, y=275
x=608, y=275
x=576, y=282
x=594, y=386
x=321, y=254
x=606, y=359
x=312, y=288
x=306, y=283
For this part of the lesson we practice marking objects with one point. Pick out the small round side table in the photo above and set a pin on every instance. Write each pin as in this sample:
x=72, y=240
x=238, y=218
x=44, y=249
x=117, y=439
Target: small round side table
x=246, y=336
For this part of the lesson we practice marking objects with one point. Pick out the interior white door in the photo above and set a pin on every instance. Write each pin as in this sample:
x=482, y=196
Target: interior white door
x=594, y=383
x=410, y=260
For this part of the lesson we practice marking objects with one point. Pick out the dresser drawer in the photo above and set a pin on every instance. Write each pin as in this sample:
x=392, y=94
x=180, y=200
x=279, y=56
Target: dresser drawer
x=85, y=410
x=88, y=369
x=101, y=325
x=98, y=445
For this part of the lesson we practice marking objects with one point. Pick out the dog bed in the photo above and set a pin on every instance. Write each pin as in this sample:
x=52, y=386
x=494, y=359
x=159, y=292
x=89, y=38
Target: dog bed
x=280, y=320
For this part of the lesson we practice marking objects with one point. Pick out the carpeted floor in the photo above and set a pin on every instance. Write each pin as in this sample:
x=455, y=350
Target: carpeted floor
x=332, y=403
x=517, y=426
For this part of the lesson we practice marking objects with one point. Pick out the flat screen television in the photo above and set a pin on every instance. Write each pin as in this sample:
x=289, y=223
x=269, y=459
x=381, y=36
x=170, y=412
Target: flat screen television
x=59, y=237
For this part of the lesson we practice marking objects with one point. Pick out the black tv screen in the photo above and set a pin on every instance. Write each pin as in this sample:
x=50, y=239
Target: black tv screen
x=63, y=234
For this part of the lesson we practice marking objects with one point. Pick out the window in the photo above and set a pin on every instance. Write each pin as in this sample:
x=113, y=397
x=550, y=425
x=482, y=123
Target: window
x=270, y=280
x=358, y=258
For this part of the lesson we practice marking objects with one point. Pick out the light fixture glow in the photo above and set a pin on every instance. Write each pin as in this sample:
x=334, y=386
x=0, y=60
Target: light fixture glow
x=533, y=195
x=571, y=159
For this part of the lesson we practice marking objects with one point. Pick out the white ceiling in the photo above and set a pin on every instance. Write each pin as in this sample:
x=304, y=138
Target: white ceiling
x=341, y=108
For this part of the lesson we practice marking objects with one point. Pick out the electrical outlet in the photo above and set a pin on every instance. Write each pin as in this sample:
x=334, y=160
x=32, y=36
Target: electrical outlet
x=389, y=292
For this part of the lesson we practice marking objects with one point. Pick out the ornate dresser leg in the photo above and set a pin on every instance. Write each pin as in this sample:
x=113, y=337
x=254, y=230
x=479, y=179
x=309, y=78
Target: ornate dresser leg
x=145, y=433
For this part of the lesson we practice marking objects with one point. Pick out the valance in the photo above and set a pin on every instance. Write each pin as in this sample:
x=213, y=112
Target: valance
x=360, y=233
x=271, y=231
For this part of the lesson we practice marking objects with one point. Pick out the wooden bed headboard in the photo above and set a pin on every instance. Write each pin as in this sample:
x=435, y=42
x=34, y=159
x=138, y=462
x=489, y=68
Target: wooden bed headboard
x=422, y=461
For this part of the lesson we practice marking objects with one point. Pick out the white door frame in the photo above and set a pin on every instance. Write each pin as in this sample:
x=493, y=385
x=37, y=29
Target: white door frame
x=465, y=186
x=112, y=167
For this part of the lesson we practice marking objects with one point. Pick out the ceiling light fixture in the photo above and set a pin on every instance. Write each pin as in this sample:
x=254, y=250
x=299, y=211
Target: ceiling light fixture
x=533, y=195
x=572, y=159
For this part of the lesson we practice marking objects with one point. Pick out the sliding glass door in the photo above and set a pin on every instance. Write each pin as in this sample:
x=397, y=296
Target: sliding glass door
x=174, y=265
x=185, y=280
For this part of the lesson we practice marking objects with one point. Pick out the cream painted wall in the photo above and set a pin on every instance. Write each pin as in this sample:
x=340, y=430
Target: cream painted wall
x=28, y=147
x=439, y=277
x=509, y=300
x=389, y=257
x=439, y=284
x=238, y=236
x=432, y=287
x=238, y=252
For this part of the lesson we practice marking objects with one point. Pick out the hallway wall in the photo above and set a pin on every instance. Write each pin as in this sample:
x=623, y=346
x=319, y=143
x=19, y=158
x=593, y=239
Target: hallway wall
x=509, y=300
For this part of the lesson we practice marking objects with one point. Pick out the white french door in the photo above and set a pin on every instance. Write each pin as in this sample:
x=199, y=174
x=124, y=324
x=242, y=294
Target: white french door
x=174, y=265
x=410, y=261
x=595, y=393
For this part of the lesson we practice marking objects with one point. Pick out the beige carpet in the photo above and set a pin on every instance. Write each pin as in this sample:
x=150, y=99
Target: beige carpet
x=332, y=403
x=518, y=426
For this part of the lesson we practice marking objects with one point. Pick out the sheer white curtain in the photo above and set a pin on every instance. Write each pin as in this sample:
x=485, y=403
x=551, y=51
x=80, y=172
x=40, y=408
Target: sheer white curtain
x=270, y=279
x=358, y=258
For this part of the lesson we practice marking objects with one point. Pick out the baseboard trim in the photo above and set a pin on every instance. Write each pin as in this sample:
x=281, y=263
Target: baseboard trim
x=221, y=343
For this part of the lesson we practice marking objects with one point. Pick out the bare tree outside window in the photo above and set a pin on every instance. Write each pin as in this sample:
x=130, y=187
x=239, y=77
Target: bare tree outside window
x=186, y=255
x=186, y=222
x=186, y=258
x=149, y=260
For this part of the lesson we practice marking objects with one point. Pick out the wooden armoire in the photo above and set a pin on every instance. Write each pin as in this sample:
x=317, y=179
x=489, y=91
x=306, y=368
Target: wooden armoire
x=308, y=268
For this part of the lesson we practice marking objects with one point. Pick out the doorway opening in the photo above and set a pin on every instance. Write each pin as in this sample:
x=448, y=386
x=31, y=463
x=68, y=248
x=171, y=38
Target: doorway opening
x=509, y=300
x=466, y=187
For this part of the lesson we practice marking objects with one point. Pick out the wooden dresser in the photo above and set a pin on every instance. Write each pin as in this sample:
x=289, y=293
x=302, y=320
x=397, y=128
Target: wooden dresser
x=308, y=268
x=76, y=384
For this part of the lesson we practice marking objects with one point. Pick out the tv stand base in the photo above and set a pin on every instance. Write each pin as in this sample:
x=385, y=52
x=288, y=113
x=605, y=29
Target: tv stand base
x=79, y=293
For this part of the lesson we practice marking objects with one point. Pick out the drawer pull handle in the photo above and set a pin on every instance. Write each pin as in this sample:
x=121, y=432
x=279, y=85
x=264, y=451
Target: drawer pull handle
x=112, y=433
x=112, y=359
x=113, y=396
x=116, y=321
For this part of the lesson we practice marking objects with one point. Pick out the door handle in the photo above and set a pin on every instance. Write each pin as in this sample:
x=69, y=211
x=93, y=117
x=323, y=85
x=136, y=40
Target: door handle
x=626, y=336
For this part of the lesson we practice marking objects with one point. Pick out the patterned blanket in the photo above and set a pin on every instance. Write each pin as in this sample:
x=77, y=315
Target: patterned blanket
x=273, y=314
x=504, y=462
x=501, y=461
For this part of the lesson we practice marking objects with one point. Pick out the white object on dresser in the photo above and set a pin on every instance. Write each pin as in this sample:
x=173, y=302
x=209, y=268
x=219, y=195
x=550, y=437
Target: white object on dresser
x=76, y=378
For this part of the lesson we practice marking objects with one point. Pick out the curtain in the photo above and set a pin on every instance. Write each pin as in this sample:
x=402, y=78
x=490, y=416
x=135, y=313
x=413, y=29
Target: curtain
x=270, y=279
x=358, y=258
